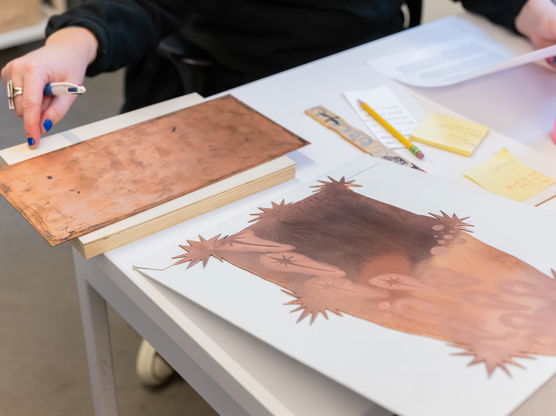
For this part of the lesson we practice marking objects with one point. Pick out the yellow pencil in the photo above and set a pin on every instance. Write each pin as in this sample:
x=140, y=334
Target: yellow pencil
x=380, y=120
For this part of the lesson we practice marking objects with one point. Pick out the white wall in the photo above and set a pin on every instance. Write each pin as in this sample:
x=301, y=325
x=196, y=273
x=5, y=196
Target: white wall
x=436, y=9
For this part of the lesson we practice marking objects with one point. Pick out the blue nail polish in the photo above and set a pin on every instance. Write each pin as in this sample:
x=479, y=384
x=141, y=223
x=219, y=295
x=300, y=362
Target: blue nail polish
x=47, y=125
x=30, y=141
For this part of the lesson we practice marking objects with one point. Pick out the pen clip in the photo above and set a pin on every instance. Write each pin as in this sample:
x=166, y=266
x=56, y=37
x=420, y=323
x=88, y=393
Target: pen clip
x=63, y=88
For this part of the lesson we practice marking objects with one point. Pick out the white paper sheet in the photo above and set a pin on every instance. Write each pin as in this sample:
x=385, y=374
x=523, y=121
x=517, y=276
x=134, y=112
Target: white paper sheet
x=459, y=52
x=408, y=374
x=384, y=102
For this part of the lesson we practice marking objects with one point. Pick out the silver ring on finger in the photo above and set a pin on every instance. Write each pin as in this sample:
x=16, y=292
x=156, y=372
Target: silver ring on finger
x=12, y=93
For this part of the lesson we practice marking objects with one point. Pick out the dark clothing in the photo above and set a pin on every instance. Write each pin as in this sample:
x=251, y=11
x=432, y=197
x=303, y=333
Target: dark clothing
x=244, y=39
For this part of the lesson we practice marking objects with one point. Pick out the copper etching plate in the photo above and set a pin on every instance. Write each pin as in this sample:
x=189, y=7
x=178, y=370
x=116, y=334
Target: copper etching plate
x=78, y=189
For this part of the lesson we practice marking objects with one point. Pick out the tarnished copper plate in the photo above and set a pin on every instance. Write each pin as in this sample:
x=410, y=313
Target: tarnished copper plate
x=72, y=191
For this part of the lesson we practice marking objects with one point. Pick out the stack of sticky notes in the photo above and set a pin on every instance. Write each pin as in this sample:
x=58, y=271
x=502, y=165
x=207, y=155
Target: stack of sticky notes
x=504, y=175
x=449, y=133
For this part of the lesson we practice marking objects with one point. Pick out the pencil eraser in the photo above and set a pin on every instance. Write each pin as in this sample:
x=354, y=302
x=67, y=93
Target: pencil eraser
x=554, y=132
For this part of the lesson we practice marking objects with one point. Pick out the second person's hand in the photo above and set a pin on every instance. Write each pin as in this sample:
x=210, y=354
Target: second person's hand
x=64, y=57
x=537, y=21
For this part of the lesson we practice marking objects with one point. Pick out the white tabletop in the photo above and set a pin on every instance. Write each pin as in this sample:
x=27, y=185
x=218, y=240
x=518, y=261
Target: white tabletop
x=519, y=103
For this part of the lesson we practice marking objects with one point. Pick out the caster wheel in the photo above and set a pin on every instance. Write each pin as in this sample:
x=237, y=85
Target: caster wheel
x=151, y=368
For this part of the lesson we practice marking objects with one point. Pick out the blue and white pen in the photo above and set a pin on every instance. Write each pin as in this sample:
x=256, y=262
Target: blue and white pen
x=64, y=88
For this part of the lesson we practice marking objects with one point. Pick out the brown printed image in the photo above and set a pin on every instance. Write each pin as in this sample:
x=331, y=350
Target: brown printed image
x=338, y=251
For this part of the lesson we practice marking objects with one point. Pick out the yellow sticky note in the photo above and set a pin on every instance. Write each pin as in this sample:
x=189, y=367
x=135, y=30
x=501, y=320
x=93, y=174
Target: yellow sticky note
x=504, y=175
x=450, y=133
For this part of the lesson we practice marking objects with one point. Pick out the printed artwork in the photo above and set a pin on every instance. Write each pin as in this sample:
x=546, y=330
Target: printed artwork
x=338, y=251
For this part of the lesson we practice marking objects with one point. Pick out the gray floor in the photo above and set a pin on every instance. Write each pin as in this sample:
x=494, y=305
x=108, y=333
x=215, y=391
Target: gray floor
x=42, y=358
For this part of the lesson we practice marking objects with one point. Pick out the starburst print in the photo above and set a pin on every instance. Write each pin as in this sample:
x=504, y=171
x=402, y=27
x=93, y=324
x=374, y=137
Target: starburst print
x=284, y=260
x=273, y=211
x=342, y=183
x=199, y=251
x=451, y=222
x=393, y=281
x=493, y=356
x=311, y=306
x=289, y=261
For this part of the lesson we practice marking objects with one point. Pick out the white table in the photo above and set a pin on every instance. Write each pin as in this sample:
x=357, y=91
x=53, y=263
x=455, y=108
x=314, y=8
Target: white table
x=234, y=372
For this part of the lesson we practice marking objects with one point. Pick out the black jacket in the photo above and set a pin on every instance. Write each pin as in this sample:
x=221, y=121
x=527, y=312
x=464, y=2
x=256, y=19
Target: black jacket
x=245, y=39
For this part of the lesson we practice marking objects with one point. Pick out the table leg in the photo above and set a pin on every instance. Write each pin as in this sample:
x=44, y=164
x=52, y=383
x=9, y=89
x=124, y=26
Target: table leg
x=94, y=316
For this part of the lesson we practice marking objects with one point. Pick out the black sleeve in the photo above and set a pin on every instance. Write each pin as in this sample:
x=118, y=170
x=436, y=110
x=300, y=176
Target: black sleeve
x=126, y=30
x=502, y=12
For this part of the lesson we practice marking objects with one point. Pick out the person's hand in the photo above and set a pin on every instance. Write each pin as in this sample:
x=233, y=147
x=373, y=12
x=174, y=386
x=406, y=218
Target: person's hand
x=537, y=21
x=64, y=57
